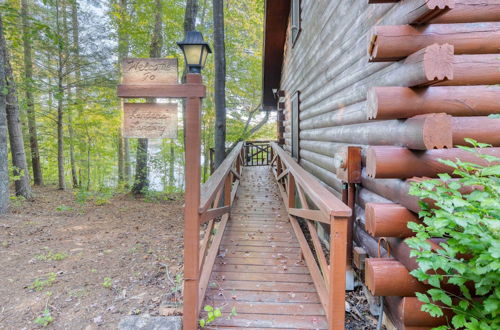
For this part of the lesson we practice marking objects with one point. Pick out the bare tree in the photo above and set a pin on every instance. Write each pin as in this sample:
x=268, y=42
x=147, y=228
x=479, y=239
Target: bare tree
x=220, y=82
x=30, y=102
x=4, y=170
x=22, y=181
x=141, y=181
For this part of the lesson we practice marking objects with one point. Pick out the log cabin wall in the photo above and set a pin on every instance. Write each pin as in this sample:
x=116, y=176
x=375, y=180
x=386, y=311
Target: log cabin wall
x=406, y=81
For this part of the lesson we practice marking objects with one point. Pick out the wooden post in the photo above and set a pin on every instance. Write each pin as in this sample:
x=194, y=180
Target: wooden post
x=227, y=189
x=192, y=204
x=338, y=267
x=291, y=191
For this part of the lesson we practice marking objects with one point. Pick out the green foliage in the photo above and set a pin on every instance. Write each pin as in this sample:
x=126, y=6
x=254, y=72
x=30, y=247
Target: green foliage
x=17, y=173
x=63, y=208
x=107, y=283
x=100, y=197
x=212, y=315
x=51, y=256
x=45, y=319
x=17, y=201
x=41, y=283
x=91, y=110
x=152, y=196
x=469, y=224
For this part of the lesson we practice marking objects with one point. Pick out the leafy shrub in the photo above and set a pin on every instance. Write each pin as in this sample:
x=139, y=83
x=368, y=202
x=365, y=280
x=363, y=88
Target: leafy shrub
x=151, y=196
x=100, y=197
x=469, y=223
x=107, y=283
x=17, y=201
x=51, y=256
x=64, y=208
x=45, y=319
x=212, y=315
x=39, y=284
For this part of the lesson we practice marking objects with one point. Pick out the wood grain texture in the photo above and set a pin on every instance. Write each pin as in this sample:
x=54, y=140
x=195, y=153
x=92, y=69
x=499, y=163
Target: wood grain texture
x=467, y=11
x=394, y=42
x=404, y=102
x=259, y=270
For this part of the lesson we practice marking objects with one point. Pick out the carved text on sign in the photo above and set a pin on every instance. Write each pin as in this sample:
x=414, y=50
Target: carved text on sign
x=150, y=120
x=149, y=71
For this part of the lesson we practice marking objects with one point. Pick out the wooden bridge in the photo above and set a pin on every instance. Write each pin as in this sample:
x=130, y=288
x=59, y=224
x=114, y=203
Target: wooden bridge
x=253, y=257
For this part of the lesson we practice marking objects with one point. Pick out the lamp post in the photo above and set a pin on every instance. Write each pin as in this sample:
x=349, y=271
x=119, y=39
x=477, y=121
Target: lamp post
x=195, y=51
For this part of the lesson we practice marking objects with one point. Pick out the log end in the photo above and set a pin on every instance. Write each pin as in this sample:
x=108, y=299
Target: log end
x=437, y=131
x=371, y=162
x=438, y=62
x=372, y=103
x=435, y=8
x=440, y=4
x=370, y=219
x=372, y=46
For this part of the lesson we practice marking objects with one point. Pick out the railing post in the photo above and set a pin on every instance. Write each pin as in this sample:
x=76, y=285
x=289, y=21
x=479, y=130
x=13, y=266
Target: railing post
x=191, y=208
x=291, y=191
x=227, y=189
x=338, y=256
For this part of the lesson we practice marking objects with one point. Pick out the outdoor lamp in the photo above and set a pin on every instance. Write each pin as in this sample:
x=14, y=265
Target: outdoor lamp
x=195, y=51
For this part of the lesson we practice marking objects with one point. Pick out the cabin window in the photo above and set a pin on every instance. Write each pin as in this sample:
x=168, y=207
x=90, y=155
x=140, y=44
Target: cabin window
x=295, y=126
x=295, y=20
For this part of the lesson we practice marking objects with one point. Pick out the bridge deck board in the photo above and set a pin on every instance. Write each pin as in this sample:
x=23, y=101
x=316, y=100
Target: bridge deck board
x=259, y=270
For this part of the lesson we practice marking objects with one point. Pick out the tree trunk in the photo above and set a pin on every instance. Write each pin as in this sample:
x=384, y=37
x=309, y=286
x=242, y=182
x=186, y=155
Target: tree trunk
x=220, y=82
x=123, y=49
x=171, y=176
x=59, y=99
x=190, y=15
x=78, y=91
x=128, y=169
x=21, y=172
x=4, y=170
x=141, y=181
x=30, y=102
x=69, y=110
x=203, y=13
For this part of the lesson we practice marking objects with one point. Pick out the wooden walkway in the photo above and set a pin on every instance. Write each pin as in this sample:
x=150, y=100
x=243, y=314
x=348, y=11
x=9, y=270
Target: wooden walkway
x=259, y=270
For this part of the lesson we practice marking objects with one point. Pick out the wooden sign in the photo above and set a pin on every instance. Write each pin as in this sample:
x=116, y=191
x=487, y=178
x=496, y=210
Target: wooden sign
x=149, y=71
x=150, y=120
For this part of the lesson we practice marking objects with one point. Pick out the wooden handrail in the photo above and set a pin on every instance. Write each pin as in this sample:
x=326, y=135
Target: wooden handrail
x=216, y=180
x=325, y=200
x=329, y=280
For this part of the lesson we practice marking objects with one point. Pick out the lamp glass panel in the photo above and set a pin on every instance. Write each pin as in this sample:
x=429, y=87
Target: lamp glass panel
x=204, y=56
x=193, y=54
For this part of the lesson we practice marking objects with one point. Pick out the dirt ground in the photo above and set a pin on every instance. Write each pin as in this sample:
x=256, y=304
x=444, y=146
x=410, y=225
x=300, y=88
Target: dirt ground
x=88, y=265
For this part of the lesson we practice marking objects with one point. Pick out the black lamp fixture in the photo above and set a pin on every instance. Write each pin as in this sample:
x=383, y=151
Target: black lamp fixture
x=195, y=51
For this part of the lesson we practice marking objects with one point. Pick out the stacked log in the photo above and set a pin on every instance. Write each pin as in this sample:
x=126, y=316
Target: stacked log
x=402, y=163
x=432, y=82
x=469, y=99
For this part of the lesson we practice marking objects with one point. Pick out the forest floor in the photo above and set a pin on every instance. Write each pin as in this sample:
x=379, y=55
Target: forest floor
x=88, y=264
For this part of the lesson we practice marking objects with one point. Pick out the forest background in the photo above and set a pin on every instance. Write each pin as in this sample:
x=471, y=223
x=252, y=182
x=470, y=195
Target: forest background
x=63, y=57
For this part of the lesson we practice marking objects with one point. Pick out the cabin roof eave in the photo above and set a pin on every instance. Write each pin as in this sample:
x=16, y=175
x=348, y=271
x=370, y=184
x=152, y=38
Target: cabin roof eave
x=275, y=26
